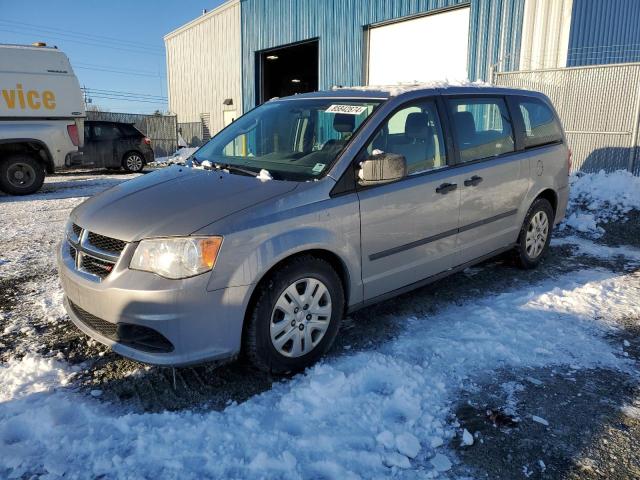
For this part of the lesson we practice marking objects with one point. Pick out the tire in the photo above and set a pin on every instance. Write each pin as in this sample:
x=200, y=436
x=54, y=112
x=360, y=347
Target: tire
x=305, y=274
x=535, y=234
x=133, y=162
x=21, y=174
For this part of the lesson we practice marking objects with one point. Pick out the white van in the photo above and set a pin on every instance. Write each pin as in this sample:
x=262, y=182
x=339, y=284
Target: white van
x=41, y=115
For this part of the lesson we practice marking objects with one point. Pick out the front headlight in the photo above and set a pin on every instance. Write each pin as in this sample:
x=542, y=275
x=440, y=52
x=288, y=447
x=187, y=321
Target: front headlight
x=176, y=257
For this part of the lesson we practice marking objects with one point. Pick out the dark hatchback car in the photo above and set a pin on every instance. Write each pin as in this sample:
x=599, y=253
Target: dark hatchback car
x=115, y=145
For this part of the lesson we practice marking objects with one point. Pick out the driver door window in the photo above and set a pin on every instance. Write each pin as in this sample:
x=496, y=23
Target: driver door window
x=415, y=133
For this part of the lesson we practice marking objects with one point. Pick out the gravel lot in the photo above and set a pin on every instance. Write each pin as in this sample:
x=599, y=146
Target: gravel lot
x=589, y=418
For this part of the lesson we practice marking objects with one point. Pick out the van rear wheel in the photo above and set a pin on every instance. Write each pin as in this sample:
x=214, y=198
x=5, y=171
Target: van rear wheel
x=535, y=234
x=21, y=174
x=296, y=316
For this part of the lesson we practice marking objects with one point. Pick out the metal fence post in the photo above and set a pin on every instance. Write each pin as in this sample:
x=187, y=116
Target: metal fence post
x=635, y=133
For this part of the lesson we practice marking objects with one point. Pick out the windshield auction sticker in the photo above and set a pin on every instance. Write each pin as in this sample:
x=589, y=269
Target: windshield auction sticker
x=348, y=109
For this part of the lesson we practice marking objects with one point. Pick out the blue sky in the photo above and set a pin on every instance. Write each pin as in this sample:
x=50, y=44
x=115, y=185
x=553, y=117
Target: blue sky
x=113, y=45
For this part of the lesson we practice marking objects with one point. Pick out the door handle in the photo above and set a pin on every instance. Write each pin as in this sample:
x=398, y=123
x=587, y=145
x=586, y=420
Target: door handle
x=473, y=181
x=446, y=188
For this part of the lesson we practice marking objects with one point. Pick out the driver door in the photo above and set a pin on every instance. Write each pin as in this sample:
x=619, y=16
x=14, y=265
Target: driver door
x=409, y=227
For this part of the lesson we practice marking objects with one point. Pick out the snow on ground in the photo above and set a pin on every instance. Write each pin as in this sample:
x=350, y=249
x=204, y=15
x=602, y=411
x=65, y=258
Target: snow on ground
x=600, y=198
x=338, y=419
x=373, y=413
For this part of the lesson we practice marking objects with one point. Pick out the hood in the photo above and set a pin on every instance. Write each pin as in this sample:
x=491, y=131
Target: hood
x=173, y=201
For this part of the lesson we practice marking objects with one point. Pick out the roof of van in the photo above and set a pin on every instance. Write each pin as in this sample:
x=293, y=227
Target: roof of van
x=384, y=92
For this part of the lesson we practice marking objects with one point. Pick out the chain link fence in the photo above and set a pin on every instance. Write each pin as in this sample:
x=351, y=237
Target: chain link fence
x=161, y=129
x=599, y=107
x=192, y=132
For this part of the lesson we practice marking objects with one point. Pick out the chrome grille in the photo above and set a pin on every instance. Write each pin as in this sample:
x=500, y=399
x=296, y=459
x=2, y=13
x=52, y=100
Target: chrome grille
x=106, y=243
x=92, y=253
x=95, y=266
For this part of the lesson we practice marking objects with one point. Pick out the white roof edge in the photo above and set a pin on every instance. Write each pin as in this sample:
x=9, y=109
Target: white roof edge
x=219, y=9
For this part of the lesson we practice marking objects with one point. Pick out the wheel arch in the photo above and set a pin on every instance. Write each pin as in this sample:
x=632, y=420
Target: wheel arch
x=328, y=256
x=30, y=146
x=129, y=151
x=551, y=196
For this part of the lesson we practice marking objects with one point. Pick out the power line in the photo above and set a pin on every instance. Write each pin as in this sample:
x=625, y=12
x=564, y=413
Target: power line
x=123, y=71
x=81, y=42
x=106, y=97
x=123, y=93
x=82, y=35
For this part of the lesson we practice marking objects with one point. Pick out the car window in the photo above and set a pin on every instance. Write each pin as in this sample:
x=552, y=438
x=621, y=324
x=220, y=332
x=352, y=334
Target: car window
x=296, y=139
x=415, y=133
x=129, y=130
x=105, y=132
x=540, y=124
x=483, y=127
x=87, y=132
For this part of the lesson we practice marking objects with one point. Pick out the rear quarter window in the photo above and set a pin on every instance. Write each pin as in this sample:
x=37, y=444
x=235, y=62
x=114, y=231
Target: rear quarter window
x=541, y=127
x=130, y=131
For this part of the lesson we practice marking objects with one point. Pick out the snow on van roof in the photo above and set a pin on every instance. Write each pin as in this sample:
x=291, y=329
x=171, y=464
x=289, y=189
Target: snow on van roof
x=400, y=88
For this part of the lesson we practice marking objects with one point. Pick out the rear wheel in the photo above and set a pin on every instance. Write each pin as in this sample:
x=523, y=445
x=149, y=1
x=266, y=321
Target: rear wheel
x=133, y=162
x=535, y=235
x=296, y=316
x=21, y=174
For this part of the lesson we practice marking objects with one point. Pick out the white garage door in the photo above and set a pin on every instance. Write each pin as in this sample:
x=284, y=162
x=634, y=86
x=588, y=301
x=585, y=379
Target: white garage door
x=426, y=48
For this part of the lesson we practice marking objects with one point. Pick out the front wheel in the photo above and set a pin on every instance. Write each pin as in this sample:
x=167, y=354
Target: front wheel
x=133, y=162
x=21, y=174
x=296, y=316
x=535, y=234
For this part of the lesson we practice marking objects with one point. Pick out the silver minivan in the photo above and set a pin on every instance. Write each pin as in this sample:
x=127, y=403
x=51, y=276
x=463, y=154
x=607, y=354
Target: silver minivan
x=308, y=208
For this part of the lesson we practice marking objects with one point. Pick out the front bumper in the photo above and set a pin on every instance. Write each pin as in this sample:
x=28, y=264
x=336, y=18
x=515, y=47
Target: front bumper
x=200, y=325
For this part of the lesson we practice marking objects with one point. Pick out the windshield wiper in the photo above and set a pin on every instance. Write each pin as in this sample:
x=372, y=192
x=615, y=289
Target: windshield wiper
x=230, y=167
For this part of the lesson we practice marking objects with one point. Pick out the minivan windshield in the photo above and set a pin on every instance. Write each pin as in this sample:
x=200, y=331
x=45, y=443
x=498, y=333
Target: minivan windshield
x=293, y=139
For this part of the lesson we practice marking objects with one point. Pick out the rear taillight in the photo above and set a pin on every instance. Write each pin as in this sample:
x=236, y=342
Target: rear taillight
x=569, y=162
x=72, y=130
x=147, y=140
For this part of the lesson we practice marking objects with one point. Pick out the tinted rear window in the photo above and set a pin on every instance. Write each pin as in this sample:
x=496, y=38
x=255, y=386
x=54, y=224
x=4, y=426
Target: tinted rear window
x=130, y=130
x=541, y=127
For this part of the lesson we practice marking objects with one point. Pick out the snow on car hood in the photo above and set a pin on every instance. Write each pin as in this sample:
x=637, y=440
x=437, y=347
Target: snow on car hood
x=173, y=201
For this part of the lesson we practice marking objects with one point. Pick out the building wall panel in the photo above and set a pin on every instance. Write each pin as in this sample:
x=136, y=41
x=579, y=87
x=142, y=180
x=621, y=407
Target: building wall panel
x=204, y=66
x=494, y=33
x=604, y=32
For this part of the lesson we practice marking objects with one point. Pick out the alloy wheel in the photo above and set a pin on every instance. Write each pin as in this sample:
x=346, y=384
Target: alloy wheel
x=134, y=162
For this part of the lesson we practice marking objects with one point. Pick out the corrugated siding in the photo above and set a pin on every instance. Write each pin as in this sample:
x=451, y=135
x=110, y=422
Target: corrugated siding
x=545, y=34
x=339, y=24
x=604, y=32
x=204, y=66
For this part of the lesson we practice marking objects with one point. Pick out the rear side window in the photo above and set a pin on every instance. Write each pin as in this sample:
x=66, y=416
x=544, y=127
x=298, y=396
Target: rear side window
x=483, y=127
x=130, y=130
x=105, y=132
x=541, y=126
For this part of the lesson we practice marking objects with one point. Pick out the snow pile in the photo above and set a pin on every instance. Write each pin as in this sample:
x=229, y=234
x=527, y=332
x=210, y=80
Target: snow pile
x=368, y=414
x=600, y=198
x=400, y=88
x=178, y=158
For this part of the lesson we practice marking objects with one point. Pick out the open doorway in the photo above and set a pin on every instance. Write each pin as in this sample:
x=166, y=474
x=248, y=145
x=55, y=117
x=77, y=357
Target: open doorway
x=288, y=70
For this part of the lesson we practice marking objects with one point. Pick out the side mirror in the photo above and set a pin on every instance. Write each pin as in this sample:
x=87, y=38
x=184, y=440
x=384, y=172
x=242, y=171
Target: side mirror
x=382, y=168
